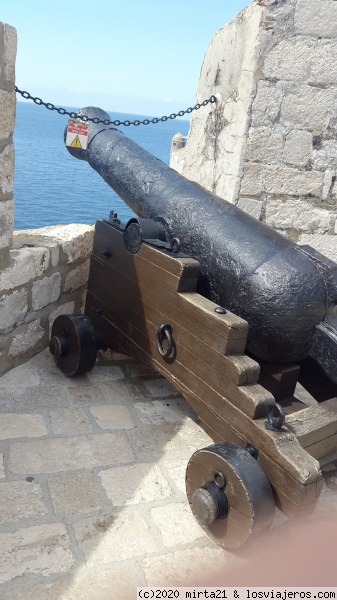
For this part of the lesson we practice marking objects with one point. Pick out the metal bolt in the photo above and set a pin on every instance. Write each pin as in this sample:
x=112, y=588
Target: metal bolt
x=220, y=310
x=219, y=479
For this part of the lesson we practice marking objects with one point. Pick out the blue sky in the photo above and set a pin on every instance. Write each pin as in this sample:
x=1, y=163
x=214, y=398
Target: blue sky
x=131, y=56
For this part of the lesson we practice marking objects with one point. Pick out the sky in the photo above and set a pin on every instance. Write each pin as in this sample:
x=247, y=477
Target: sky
x=133, y=56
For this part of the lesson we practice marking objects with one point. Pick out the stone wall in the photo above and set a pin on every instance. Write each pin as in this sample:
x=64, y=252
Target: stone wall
x=269, y=145
x=46, y=277
x=7, y=103
x=43, y=272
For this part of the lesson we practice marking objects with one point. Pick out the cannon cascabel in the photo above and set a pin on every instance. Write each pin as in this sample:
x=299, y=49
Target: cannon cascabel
x=284, y=291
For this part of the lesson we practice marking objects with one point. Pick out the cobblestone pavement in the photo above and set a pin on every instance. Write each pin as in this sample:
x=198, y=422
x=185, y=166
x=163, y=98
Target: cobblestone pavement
x=92, y=492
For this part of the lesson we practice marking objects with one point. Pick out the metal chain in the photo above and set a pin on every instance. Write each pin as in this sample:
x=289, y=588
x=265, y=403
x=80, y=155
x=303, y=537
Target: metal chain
x=116, y=123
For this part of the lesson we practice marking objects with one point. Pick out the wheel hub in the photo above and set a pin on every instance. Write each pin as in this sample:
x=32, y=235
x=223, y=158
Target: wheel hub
x=209, y=503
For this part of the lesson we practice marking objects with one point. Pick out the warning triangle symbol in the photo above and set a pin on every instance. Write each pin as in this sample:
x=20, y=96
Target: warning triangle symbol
x=76, y=143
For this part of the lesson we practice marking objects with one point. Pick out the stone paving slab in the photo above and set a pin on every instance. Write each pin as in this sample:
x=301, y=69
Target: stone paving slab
x=92, y=484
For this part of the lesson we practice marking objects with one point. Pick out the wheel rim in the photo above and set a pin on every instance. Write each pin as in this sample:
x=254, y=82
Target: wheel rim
x=73, y=344
x=247, y=491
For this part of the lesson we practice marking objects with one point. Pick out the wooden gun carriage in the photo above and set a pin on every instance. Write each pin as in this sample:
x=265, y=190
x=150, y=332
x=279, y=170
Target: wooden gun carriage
x=146, y=298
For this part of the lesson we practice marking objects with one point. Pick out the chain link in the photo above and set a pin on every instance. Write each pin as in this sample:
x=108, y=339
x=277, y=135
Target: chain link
x=116, y=123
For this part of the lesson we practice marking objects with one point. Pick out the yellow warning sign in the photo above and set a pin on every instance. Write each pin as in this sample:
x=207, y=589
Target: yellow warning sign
x=77, y=134
x=76, y=143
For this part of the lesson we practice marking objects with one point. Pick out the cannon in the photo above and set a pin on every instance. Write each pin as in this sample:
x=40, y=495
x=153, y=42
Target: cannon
x=233, y=314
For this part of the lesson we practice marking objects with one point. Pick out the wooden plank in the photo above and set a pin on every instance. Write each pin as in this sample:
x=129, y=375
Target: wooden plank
x=281, y=447
x=323, y=447
x=107, y=236
x=143, y=272
x=113, y=286
x=252, y=398
x=314, y=424
x=205, y=308
x=179, y=266
x=240, y=369
x=134, y=265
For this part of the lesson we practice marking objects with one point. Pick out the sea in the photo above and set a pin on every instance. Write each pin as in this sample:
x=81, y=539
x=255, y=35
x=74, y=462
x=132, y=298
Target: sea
x=52, y=187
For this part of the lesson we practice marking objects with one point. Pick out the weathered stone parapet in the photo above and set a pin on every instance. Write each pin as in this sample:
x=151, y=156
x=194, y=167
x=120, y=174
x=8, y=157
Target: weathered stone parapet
x=216, y=139
x=46, y=276
x=8, y=43
x=270, y=144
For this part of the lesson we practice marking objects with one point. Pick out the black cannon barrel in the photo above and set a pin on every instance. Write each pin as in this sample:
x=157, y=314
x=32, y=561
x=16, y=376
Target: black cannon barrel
x=284, y=291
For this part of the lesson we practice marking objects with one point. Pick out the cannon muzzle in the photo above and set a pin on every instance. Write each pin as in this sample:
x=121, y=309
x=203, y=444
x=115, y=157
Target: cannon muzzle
x=286, y=292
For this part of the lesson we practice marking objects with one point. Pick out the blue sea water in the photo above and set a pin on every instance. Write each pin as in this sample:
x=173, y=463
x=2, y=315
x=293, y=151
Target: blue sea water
x=51, y=187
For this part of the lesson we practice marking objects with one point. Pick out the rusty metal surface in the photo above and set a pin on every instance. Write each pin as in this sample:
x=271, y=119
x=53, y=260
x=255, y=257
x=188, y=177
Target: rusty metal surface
x=283, y=291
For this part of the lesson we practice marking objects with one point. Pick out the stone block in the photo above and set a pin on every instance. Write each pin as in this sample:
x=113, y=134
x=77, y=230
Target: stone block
x=176, y=470
x=70, y=453
x=77, y=278
x=303, y=60
x=109, y=416
x=7, y=170
x=252, y=206
x=10, y=45
x=176, y=524
x=7, y=121
x=75, y=240
x=102, y=539
x=41, y=550
x=229, y=68
x=308, y=107
x=324, y=63
x=297, y=147
x=172, y=441
x=45, y=291
x=13, y=425
x=21, y=377
x=27, y=339
x=21, y=500
x=158, y=412
x=264, y=144
x=83, y=584
x=105, y=374
x=67, y=308
x=86, y=394
x=135, y=484
x=6, y=223
x=160, y=388
x=13, y=309
x=185, y=567
x=298, y=215
x=251, y=184
x=328, y=183
x=75, y=494
x=67, y=421
x=28, y=264
x=288, y=181
x=325, y=157
x=2, y=468
x=266, y=105
x=316, y=18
